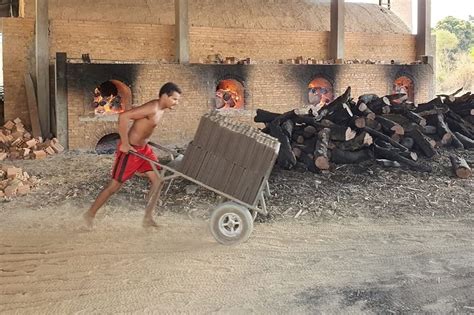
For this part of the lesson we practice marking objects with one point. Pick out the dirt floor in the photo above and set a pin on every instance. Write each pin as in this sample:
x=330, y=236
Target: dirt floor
x=360, y=239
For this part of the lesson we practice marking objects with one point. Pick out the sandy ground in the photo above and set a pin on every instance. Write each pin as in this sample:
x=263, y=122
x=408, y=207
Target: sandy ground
x=320, y=262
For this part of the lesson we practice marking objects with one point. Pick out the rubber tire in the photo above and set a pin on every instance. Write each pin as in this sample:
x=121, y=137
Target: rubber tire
x=244, y=217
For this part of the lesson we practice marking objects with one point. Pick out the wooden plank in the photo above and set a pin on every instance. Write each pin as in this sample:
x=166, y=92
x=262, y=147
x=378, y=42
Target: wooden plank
x=32, y=106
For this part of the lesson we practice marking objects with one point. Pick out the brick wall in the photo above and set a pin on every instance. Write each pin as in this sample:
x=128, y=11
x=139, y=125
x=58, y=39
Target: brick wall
x=18, y=52
x=259, y=45
x=112, y=41
x=151, y=43
x=277, y=88
x=399, y=47
x=272, y=45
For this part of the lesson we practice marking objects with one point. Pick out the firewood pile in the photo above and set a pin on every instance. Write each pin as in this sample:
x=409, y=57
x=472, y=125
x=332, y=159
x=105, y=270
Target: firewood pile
x=15, y=182
x=18, y=143
x=388, y=129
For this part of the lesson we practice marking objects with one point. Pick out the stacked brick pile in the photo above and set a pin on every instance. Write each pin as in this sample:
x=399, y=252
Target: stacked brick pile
x=14, y=181
x=229, y=156
x=17, y=143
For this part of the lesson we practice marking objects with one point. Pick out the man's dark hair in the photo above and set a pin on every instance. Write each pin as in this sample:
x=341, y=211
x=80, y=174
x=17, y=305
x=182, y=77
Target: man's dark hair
x=169, y=88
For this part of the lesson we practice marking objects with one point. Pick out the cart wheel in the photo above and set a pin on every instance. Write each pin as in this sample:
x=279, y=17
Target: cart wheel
x=231, y=223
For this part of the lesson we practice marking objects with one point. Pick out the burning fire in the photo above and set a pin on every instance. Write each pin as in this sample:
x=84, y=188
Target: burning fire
x=320, y=92
x=104, y=105
x=229, y=94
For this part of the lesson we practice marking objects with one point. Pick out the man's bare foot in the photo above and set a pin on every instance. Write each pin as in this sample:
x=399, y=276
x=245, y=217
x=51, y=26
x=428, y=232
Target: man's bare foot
x=88, y=219
x=149, y=222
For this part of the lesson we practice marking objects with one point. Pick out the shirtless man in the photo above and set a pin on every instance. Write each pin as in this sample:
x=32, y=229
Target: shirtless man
x=145, y=118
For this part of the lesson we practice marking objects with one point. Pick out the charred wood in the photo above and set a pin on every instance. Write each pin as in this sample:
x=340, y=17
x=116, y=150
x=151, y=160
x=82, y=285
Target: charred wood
x=390, y=126
x=362, y=140
x=380, y=105
x=379, y=135
x=321, y=158
x=433, y=104
x=408, y=142
x=467, y=142
x=387, y=163
x=339, y=156
x=424, y=143
x=357, y=122
x=395, y=156
x=286, y=159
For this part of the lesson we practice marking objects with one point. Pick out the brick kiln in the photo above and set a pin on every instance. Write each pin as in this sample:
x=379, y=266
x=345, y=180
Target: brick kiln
x=274, y=55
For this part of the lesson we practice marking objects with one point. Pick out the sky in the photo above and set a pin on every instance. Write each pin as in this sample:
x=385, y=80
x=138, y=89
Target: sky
x=439, y=8
x=457, y=8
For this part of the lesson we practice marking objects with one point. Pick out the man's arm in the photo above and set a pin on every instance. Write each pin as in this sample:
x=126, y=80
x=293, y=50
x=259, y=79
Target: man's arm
x=132, y=114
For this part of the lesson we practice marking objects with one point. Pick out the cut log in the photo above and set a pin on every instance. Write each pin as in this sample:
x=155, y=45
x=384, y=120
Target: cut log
x=379, y=105
x=339, y=101
x=433, y=104
x=340, y=115
x=468, y=143
x=443, y=130
x=372, y=123
x=379, y=135
x=455, y=125
x=395, y=156
x=286, y=159
x=387, y=163
x=340, y=133
x=408, y=142
x=264, y=116
x=357, y=122
x=390, y=126
x=308, y=161
x=367, y=98
x=362, y=140
x=422, y=142
x=339, y=156
x=321, y=158
x=429, y=130
x=287, y=126
x=450, y=98
x=396, y=98
x=309, y=131
x=460, y=167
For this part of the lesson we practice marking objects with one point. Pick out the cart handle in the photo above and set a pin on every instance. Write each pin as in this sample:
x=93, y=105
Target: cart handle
x=162, y=148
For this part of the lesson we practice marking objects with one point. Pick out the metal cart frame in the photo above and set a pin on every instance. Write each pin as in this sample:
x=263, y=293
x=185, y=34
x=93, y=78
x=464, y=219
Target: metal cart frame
x=232, y=220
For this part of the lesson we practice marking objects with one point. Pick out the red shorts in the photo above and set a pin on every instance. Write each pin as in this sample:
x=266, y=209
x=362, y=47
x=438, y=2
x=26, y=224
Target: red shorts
x=126, y=165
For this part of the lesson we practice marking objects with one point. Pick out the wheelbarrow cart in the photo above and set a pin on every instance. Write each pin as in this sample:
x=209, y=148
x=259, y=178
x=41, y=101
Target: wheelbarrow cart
x=232, y=160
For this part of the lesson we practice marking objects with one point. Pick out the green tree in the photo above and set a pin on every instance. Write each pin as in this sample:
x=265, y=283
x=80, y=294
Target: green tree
x=461, y=28
x=446, y=44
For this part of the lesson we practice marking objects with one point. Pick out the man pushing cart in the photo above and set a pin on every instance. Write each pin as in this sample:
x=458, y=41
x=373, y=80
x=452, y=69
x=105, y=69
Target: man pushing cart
x=229, y=158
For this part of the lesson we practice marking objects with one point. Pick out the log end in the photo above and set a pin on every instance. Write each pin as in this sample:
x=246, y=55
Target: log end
x=463, y=173
x=322, y=163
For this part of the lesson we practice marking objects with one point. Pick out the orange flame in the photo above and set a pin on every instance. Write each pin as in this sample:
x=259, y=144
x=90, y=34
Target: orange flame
x=106, y=105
